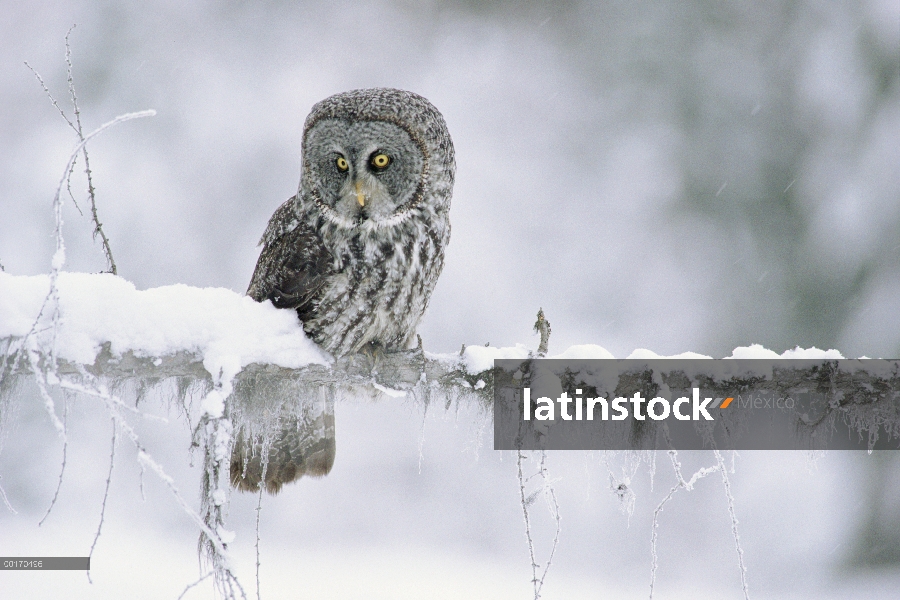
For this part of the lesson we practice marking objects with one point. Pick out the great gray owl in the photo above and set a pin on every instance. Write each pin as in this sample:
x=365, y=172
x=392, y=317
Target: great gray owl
x=356, y=252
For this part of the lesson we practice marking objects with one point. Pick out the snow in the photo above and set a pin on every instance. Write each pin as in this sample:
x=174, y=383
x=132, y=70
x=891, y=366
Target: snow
x=389, y=391
x=481, y=358
x=644, y=354
x=583, y=351
x=757, y=351
x=229, y=330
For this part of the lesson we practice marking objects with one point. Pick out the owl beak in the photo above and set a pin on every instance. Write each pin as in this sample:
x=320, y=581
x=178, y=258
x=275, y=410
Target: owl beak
x=360, y=197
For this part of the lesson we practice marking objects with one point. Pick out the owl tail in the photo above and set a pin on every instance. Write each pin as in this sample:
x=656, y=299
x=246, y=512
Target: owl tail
x=284, y=449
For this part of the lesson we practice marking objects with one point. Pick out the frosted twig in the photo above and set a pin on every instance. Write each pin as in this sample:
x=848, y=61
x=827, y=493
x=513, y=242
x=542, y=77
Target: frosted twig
x=112, y=462
x=525, y=503
x=49, y=95
x=69, y=188
x=553, y=505
x=422, y=436
x=258, y=511
x=734, y=524
x=195, y=584
x=264, y=464
x=47, y=375
x=98, y=227
x=146, y=460
x=654, y=532
x=680, y=484
x=62, y=469
x=6, y=500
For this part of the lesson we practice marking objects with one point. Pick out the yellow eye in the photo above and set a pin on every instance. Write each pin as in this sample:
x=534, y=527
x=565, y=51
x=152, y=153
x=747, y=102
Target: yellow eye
x=342, y=164
x=380, y=161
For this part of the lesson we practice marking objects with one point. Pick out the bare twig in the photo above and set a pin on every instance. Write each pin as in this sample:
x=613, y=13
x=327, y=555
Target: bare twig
x=195, y=584
x=552, y=503
x=734, y=524
x=62, y=469
x=525, y=502
x=258, y=511
x=6, y=500
x=98, y=227
x=112, y=462
x=264, y=462
x=654, y=527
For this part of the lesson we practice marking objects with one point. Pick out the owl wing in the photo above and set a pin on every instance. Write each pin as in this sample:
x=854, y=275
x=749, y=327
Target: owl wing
x=293, y=266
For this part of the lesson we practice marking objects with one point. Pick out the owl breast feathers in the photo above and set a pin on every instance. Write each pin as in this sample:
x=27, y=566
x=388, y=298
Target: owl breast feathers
x=358, y=250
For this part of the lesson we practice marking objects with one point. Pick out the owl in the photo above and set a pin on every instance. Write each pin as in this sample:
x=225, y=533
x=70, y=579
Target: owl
x=358, y=250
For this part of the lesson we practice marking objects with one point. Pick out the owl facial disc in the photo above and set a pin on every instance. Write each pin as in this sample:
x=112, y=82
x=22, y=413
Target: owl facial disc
x=363, y=171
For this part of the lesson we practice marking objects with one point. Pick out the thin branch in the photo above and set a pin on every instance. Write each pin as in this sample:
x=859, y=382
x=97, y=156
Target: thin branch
x=196, y=583
x=654, y=527
x=525, y=502
x=734, y=524
x=112, y=462
x=258, y=511
x=98, y=227
x=654, y=534
x=62, y=469
x=6, y=500
x=49, y=95
x=553, y=505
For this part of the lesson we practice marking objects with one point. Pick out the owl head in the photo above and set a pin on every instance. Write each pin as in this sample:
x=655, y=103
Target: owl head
x=372, y=157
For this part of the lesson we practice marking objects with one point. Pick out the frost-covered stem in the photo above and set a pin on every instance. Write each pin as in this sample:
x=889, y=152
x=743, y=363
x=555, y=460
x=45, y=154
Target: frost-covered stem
x=542, y=326
x=112, y=462
x=98, y=227
x=6, y=500
x=44, y=379
x=228, y=583
x=49, y=95
x=258, y=511
x=654, y=534
x=264, y=464
x=194, y=584
x=534, y=566
x=680, y=484
x=145, y=459
x=734, y=524
x=422, y=435
x=62, y=469
x=47, y=375
x=216, y=430
x=553, y=505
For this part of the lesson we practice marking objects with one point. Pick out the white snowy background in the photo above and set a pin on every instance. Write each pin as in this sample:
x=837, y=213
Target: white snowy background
x=674, y=176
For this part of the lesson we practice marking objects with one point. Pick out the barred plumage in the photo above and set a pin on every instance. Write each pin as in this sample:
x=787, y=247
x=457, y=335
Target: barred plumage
x=356, y=253
x=358, y=250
